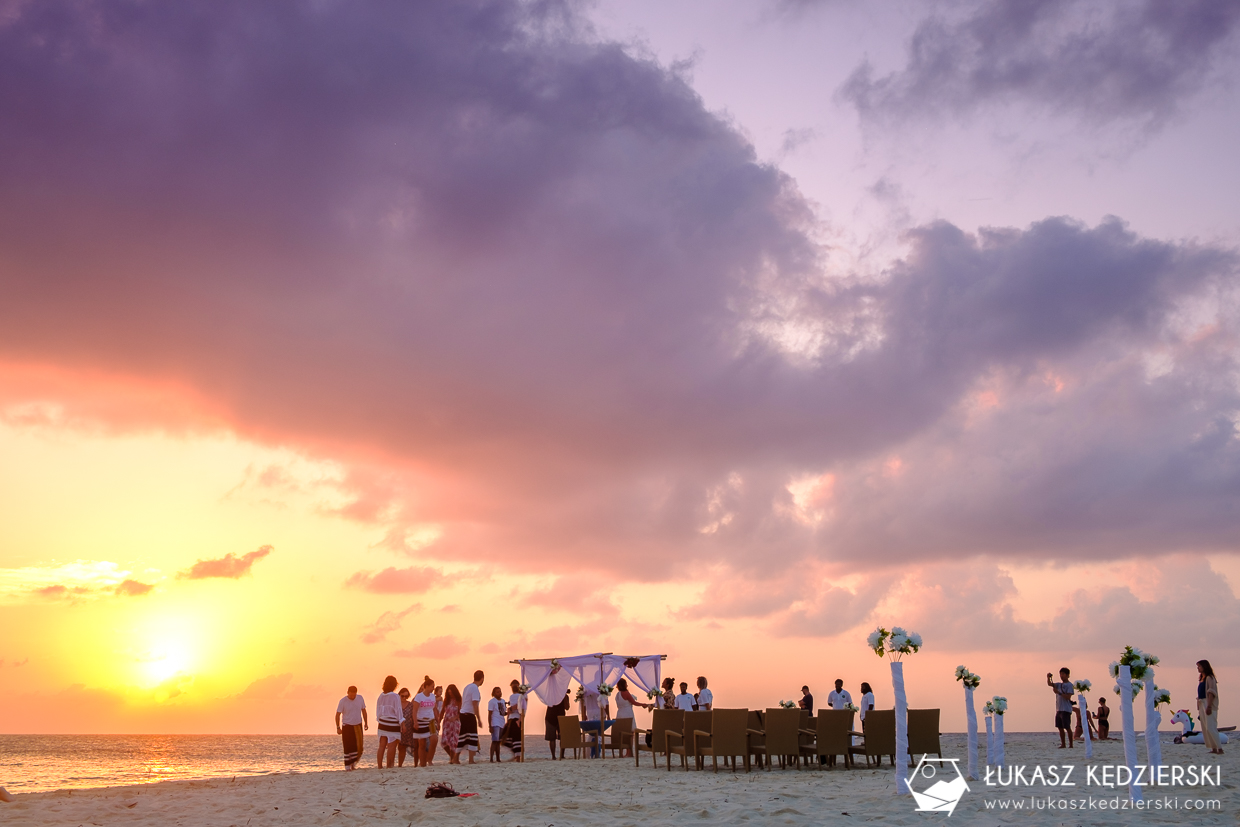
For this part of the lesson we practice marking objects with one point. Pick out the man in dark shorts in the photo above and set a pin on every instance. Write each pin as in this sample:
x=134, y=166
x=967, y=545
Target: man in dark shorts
x=1063, y=705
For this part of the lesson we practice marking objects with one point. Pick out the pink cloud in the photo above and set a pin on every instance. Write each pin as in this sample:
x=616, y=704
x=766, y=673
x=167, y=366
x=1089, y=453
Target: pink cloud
x=387, y=623
x=133, y=588
x=228, y=566
x=412, y=580
x=436, y=648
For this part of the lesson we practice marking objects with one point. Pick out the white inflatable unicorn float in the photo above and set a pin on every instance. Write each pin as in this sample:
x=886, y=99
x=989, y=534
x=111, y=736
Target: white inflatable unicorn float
x=1189, y=735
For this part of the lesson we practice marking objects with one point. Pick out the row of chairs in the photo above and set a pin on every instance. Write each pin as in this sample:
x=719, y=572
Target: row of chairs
x=790, y=736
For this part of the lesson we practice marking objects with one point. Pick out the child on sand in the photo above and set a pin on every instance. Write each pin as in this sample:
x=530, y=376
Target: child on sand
x=1063, y=706
x=496, y=713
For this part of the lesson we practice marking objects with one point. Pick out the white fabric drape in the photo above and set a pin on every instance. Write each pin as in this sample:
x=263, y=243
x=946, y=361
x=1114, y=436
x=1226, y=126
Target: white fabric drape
x=990, y=742
x=971, y=716
x=1153, y=749
x=1124, y=682
x=589, y=671
x=999, y=741
x=1084, y=707
x=897, y=684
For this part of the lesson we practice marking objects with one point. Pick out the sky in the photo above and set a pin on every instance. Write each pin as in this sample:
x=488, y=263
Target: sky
x=340, y=340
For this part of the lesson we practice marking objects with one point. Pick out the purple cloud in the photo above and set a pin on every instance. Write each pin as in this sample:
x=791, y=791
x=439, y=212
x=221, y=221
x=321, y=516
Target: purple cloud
x=1131, y=62
x=228, y=566
x=584, y=325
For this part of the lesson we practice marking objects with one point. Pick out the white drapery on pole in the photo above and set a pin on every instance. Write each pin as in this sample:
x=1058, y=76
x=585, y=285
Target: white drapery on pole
x=1124, y=682
x=550, y=684
x=971, y=717
x=1153, y=749
x=897, y=684
x=1084, y=707
x=999, y=740
x=990, y=742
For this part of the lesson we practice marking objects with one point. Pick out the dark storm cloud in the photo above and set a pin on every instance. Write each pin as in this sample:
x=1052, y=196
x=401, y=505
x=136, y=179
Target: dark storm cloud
x=1096, y=61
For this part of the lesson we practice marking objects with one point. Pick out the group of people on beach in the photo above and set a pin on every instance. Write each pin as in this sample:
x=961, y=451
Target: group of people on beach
x=417, y=725
x=1099, y=722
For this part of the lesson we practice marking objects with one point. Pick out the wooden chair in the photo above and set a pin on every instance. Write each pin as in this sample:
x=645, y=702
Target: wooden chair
x=835, y=732
x=785, y=737
x=879, y=731
x=684, y=743
x=662, y=722
x=570, y=735
x=728, y=737
x=620, y=736
x=923, y=734
x=757, y=737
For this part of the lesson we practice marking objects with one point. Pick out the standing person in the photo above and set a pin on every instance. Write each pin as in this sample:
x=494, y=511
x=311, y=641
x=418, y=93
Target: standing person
x=407, y=713
x=867, y=699
x=350, y=723
x=1102, y=716
x=425, y=703
x=669, y=693
x=807, y=700
x=496, y=713
x=436, y=724
x=1063, y=705
x=839, y=698
x=451, y=725
x=1207, y=706
x=684, y=700
x=705, y=698
x=552, y=722
x=388, y=714
x=512, y=729
x=624, y=709
x=471, y=715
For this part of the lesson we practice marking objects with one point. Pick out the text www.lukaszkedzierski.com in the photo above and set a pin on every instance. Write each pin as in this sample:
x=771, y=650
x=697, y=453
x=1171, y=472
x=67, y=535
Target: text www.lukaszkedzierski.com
x=1102, y=803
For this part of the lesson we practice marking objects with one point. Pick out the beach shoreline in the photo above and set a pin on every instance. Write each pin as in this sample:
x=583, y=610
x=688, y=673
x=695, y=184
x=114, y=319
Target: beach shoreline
x=598, y=792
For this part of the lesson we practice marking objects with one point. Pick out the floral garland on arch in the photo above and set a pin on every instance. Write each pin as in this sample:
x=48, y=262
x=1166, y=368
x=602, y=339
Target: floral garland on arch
x=523, y=689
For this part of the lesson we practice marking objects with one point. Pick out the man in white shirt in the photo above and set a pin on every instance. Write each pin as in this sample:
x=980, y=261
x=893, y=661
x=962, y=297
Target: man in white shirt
x=471, y=702
x=350, y=723
x=684, y=700
x=840, y=697
x=705, y=698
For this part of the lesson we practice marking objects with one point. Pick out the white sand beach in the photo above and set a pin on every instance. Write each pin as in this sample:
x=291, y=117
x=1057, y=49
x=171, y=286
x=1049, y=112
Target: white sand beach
x=610, y=792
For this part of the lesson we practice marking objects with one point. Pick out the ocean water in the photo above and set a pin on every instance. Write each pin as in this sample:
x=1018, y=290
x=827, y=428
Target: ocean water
x=37, y=763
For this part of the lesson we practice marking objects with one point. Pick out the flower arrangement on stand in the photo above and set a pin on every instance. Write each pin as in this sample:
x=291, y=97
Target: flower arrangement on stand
x=999, y=705
x=1132, y=660
x=787, y=704
x=895, y=644
x=970, y=681
x=1081, y=687
x=580, y=694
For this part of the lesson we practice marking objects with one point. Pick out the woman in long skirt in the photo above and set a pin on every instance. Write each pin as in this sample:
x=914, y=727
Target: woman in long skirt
x=1207, y=706
x=451, y=725
x=408, y=710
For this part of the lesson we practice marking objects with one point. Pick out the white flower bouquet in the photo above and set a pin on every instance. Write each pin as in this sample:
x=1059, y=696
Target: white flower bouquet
x=968, y=678
x=1136, y=689
x=581, y=693
x=852, y=708
x=1161, y=696
x=1000, y=704
x=652, y=694
x=1082, y=685
x=555, y=665
x=1136, y=661
x=787, y=704
x=989, y=708
x=524, y=689
x=604, y=689
x=895, y=643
